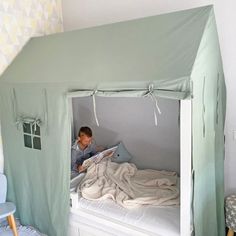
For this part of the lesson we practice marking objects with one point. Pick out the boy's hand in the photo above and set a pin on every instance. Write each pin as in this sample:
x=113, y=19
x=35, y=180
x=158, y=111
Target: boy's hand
x=110, y=154
x=81, y=168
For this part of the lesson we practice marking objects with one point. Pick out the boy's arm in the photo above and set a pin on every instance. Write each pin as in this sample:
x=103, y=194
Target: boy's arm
x=73, y=159
x=79, y=166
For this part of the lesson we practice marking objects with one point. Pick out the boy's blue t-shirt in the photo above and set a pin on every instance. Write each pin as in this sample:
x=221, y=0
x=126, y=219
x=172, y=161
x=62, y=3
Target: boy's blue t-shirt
x=78, y=156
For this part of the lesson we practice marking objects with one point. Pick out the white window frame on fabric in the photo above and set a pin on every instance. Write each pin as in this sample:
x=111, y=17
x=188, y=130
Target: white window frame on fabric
x=32, y=134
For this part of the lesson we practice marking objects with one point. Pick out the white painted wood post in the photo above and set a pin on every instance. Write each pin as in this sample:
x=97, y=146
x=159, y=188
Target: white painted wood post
x=185, y=166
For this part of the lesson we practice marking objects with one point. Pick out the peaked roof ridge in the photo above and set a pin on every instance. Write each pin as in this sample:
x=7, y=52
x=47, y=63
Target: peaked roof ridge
x=211, y=11
x=150, y=49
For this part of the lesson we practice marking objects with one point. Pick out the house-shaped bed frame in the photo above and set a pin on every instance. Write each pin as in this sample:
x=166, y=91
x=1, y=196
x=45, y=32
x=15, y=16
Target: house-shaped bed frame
x=174, y=56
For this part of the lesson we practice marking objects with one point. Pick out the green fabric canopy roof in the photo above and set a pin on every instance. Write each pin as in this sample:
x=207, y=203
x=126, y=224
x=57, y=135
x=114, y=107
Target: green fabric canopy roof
x=160, y=49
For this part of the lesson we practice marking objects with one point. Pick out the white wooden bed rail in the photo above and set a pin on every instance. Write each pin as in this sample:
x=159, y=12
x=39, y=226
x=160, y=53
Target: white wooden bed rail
x=82, y=222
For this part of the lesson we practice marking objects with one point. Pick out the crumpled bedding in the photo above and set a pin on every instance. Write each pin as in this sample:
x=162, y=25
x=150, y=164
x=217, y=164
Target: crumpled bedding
x=128, y=186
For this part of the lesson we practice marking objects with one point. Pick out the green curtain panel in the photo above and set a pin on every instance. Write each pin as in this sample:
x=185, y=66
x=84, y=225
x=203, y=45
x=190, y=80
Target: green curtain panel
x=38, y=180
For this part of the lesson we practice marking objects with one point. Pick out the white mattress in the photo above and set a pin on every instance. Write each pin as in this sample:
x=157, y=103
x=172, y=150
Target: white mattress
x=156, y=220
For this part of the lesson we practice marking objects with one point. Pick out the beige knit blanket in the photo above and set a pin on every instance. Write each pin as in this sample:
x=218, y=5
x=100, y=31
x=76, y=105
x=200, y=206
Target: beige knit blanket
x=128, y=186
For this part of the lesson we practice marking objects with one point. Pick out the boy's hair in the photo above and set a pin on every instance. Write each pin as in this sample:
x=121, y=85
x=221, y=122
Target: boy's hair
x=86, y=130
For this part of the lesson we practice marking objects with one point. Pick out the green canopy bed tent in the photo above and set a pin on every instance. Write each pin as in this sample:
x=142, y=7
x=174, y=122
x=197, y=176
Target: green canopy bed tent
x=172, y=56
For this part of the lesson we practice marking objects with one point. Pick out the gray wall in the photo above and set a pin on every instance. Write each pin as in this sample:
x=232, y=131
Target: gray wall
x=131, y=121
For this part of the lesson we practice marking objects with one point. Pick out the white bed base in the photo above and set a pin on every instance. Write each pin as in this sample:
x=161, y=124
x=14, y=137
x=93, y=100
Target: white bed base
x=83, y=222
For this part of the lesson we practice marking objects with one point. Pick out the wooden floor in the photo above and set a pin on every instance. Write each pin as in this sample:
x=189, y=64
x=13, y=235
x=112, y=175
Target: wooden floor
x=226, y=231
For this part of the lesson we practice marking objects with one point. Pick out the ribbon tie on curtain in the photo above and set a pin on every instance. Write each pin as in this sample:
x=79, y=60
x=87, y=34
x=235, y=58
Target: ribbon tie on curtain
x=33, y=121
x=94, y=107
x=156, y=108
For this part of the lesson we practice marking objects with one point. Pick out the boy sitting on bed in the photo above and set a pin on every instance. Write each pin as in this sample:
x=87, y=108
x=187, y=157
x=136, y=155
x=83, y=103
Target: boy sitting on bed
x=82, y=149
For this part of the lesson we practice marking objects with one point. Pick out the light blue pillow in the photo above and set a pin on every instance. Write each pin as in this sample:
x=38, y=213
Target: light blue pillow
x=121, y=154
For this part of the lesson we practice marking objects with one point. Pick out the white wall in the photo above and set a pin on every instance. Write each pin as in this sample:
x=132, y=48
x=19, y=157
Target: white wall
x=131, y=120
x=81, y=14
